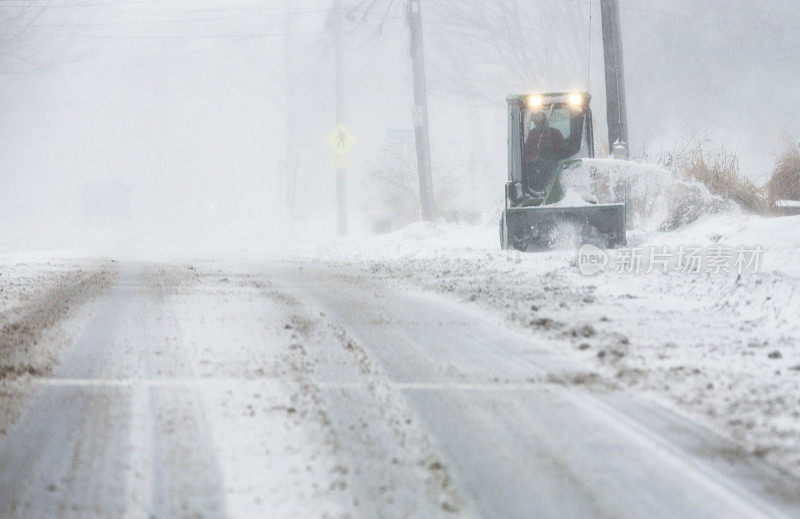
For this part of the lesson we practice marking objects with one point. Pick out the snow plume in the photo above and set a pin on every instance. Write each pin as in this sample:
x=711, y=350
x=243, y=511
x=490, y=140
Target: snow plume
x=656, y=199
x=563, y=236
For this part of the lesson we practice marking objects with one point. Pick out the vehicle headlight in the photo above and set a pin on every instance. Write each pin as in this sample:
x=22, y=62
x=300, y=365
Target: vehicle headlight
x=535, y=101
x=575, y=100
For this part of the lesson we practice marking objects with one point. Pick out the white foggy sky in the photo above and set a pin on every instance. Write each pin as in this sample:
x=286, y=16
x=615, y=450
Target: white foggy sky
x=183, y=102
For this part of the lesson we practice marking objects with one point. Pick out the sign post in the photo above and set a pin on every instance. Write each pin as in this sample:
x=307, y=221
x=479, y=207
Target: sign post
x=341, y=140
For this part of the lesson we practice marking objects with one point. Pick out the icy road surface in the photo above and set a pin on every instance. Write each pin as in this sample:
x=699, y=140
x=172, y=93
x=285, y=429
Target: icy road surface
x=290, y=389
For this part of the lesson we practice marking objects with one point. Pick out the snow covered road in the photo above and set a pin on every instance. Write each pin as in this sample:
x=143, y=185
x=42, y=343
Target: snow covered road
x=291, y=389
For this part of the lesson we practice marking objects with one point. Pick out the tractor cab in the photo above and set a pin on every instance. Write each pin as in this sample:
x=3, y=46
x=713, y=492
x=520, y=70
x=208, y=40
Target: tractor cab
x=549, y=134
x=549, y=129
x=567, y=114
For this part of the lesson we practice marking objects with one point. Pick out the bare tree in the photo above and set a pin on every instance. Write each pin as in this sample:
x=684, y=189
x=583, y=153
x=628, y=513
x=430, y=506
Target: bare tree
x=480, y=48
x=16, y=29
x=30, y=42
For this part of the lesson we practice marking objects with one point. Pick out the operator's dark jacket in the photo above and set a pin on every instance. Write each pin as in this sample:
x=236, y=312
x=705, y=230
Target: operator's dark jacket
x=544, y=142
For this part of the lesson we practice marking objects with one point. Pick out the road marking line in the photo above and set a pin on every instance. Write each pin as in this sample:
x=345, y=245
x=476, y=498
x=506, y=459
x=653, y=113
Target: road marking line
x=172, y=382
x=142, y=382
x=444, y=386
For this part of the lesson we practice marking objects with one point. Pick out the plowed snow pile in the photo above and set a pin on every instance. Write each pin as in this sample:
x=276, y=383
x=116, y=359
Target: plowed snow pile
x=656, y=200
x=717, y=344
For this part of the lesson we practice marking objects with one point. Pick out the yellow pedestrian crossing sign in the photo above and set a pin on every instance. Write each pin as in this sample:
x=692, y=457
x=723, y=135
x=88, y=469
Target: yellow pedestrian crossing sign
x=341, y=140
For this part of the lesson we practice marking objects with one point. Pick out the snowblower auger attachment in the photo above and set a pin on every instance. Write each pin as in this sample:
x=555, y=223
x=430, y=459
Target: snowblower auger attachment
x=548, y=135
x=531, y=229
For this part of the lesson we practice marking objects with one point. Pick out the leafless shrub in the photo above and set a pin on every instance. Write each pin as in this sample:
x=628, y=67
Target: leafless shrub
x=390, y=199
x=391, y=190
x=717, y=169
x=784, y=184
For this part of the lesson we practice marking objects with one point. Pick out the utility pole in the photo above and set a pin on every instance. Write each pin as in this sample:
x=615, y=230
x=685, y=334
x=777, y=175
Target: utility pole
x=616, y=108
x=289, y=177
x=341, y=174
x=420, y=113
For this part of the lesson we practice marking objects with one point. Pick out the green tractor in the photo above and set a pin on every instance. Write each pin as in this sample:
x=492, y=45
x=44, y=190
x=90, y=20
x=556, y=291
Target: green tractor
x=548, y=135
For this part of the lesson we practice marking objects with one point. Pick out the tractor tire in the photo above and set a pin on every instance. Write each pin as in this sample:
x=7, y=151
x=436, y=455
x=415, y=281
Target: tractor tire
x=519, y=235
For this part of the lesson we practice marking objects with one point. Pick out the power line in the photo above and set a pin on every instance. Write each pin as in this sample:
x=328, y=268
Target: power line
x=69, y=6
x=148, y=22
x=176, y=36
x=186, y=11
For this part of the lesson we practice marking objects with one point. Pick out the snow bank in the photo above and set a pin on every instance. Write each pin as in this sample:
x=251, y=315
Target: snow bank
x=421, y=239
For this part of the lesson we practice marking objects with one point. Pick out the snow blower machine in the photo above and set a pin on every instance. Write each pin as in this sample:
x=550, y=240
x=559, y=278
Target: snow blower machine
x=548, y=136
